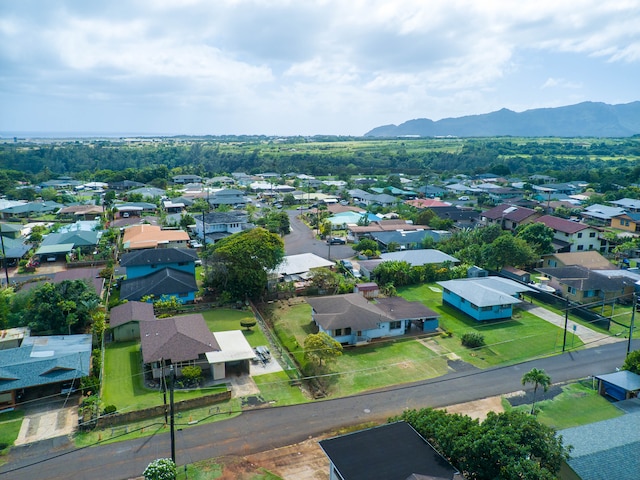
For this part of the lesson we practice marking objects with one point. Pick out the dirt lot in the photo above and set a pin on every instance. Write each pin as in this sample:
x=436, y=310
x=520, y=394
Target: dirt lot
x=306, y=461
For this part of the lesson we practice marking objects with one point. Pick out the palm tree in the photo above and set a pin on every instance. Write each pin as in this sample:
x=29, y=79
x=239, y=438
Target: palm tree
x=539, y=378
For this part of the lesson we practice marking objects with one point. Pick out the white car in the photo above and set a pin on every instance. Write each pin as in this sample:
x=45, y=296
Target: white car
x=464, y=198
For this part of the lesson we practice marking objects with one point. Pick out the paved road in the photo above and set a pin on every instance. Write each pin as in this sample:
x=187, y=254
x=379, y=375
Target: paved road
x=264, y=429
x=302, y=240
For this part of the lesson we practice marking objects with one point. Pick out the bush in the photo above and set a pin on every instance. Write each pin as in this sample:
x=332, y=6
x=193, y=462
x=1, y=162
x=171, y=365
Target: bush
x=472, y=339
x=248, y=324
x=110, y=409
x=161, y=469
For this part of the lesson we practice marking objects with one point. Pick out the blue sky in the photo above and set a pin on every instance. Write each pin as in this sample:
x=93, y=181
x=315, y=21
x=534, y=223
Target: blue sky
x=304, y=67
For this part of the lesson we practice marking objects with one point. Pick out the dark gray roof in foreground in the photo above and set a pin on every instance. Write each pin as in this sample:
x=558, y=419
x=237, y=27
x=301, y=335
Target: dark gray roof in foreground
x=167, y=281
x=393, y=451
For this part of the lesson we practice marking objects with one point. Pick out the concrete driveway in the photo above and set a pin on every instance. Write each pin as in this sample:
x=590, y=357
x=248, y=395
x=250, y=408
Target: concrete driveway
x=48, y=418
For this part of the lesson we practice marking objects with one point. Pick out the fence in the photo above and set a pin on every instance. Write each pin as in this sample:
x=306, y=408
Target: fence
x=157, y=411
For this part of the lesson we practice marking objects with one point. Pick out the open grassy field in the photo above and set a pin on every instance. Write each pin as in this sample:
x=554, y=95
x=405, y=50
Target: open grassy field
x=521, y=337
x=224, y=319
x=10, y=423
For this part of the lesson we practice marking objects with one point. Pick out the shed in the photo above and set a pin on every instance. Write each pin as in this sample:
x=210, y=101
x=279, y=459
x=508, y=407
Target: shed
x=368, y=290
x=620, y=385
x=516, y=274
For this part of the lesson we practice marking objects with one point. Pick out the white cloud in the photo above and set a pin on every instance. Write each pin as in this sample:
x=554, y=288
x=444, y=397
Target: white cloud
x=317, y=64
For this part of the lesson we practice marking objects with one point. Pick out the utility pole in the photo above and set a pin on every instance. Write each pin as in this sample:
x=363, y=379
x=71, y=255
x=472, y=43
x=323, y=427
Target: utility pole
x=172, y=424
x=163, y=380
x=631, y=327
x=566, y=320
x=4, y=259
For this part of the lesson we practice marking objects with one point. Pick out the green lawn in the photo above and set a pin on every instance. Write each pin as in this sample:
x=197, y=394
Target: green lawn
x=578, y=404
x=276, y=388
x=122, y=384
x=10, y=423
x=522, y=337
x=224, y=319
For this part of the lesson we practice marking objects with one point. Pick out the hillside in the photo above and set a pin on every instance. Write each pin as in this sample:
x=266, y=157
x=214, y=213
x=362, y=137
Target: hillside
x=587, y=119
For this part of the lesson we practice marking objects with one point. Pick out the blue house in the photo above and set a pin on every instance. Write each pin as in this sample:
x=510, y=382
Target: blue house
x=353, y=320
x=160, y=273
x=145, y=262
x=483, y=298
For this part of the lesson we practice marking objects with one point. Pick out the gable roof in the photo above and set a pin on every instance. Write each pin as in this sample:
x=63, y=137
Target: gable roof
x=583, y=279
x=301, y=263
x=130, y=312
x=393, y=451
x=79, y=238
x=562, y=225
x=486, y=291
x=512, y=213
x=158, y=256
x=177, y=339
x=44, y=360
x=167, y=281
x=419, y=257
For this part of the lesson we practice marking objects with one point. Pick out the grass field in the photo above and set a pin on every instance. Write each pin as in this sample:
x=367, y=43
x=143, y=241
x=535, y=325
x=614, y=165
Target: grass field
x=521, y=337
x=578, y=404
x=224, y=319
x=10, y=423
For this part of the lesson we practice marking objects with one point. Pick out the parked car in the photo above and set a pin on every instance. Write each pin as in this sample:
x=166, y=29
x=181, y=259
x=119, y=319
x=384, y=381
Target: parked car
x=336, y=241
x=464, y=198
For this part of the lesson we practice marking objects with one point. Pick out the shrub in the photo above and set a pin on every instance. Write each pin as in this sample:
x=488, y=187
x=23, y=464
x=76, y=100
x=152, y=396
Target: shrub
x=110, y=409
x=248, y=324
x=161, y=469
x=472, y=339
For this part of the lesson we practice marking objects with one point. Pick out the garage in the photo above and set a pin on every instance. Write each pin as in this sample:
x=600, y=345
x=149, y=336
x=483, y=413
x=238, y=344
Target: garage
x=619, y=386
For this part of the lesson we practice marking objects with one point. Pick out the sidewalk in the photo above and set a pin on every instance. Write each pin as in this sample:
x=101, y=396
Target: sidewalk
x=589, y=337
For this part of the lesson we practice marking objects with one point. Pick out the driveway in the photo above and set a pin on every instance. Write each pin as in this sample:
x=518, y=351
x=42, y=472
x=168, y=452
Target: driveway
x=302, y=240
x=50, y=418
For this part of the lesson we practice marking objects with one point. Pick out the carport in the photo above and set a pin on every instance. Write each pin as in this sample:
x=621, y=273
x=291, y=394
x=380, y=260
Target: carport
x=235, y=352
x=620, y=385
x=54, y=250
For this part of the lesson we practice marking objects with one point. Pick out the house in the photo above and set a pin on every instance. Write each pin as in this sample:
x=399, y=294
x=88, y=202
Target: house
x=43, y=362
x=604, y=450
x=143, y=236
x=135, y=209
x=621, y=385
x=228, y=196
x=581, y=285
x=218, y=225
x=125, y=185
x=509, y=217
x=173, y=207
x=182, y=179
x=125, y=319
x=415, y=258
x=629, y=204
x=627, y=221
x=13, y=337
x=148, y=193
x=161, y=285
x=353, y=320
x=393, y=451
x=58, y=243
x=484, y=298
x=461, y=217
x=422, y=203
x=140, y=263
x=299, y=266
x=31, y=209
x=601, y=214
x=571, y=236
x=431, y=191
x=81, y=212
x=589, y=259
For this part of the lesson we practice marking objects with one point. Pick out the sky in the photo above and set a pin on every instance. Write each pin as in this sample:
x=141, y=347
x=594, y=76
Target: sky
x=304, y=67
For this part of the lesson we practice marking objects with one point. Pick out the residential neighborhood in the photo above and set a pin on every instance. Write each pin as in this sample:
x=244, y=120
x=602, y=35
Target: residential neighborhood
x=219, y=291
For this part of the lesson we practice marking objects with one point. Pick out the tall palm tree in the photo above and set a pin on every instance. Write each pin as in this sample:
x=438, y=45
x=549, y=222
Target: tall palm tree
x=539, y=378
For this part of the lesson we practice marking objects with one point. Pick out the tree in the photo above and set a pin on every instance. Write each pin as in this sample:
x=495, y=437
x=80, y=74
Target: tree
x=365, y=244
x=161, y=469
x=238, y=264
x=508, y=445
x=632, y=362
x=397, y=272
x=539, y=378
x=538, y=236
x=186, y=220
x=507, y=250
x=320, y=347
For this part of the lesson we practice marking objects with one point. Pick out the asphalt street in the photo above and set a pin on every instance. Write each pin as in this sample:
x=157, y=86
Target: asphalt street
x=302, y=240
x=263, y=429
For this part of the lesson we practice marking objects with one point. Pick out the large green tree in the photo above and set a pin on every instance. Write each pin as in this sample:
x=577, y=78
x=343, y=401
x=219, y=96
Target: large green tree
x=538, y=236
x=320, y=348
x=508, y=445
x=59, y=308
x=507, y=250
x=238, y=264
x=632, y=362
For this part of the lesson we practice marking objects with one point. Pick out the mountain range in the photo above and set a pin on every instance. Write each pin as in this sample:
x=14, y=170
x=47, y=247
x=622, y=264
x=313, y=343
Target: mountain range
x=587, y=119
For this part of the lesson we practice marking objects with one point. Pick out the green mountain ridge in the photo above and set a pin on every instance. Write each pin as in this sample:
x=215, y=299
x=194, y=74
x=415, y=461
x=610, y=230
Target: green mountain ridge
x=587, y=119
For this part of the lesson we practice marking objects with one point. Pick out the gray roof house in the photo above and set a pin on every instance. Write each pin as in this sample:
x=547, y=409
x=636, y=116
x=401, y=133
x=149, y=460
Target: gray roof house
x=414, y=258
x=167, y=282
x=604, y=450
x=124, y=319
x=394, y=451
x=41, y=361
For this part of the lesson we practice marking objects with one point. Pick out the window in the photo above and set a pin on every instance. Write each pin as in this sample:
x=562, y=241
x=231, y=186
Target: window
x=485, y=309
x=592, y=234
x=571, y=290
x=580, y=247
x=337, y=332
x=347, y=331
x=553, y=263
x=395, y=325
x=579, y=234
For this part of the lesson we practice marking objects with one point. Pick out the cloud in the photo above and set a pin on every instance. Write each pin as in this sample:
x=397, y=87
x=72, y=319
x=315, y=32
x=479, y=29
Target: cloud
x=317, y=63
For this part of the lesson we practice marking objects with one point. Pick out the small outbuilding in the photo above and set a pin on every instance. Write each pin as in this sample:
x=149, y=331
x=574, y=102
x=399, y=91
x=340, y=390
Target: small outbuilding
x=621, y=385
